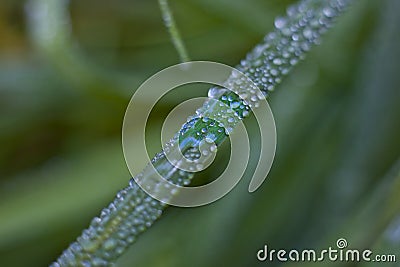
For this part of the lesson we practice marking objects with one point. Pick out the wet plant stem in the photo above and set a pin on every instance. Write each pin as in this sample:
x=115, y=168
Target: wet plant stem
x=133, y=211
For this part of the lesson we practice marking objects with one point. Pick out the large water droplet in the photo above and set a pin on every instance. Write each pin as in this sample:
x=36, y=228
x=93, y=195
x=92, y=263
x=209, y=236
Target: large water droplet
x=280, y=22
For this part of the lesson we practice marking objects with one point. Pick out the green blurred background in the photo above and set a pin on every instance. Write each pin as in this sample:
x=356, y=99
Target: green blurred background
x=66, y=75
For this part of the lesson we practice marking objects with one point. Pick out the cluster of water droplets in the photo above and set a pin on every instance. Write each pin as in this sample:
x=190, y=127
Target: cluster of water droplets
x=133, y=211
x=119, y=224
x=283, y=48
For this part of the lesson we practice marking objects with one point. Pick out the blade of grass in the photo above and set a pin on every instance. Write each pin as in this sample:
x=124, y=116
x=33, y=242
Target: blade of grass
x=170, y=24
x=133, y=212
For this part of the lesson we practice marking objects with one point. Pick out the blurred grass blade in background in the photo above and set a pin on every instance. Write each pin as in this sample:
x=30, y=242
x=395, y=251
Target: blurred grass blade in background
x=170, y=24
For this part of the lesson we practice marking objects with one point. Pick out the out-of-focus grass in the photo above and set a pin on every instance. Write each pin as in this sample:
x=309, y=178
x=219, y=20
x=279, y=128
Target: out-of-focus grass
x=61, y=159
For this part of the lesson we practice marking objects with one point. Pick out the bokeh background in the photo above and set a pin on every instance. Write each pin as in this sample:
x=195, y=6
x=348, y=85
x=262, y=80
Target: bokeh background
x=68, y=69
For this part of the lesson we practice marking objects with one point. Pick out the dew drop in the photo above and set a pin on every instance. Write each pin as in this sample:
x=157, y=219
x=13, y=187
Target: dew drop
x=277, y=61
x=307, y=33
x=280, y=22
x=110, y=244
x=329, y=12
x=210, y=138
x=235, y=104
